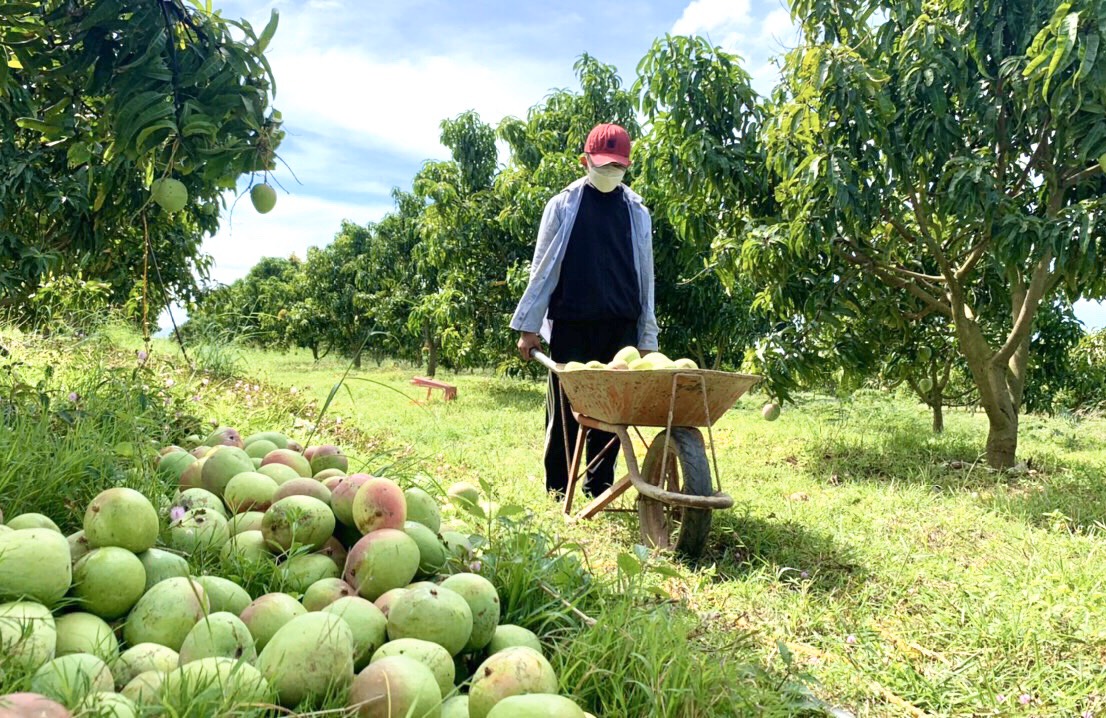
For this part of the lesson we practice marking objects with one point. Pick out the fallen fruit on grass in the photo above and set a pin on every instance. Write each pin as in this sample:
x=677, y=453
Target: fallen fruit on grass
x=310, y=656
x=268, y=614
x=463, y=494
x=536, y=705
x=511, y=672
x=510, y=636
x=218, y=635
x=121, y=517
x=166, y=613
x=381, y=561
x=483, y=602
x=431, y=655
x=69, y=679
x=433, y=614
x=395, y=686
x=297, y=521
x=34, y=563
x=367, y=624
x=28, y=634
x=86, y=633
x=422, y=508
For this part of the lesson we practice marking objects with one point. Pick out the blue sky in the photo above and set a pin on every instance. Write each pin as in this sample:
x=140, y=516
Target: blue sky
x=364, y=85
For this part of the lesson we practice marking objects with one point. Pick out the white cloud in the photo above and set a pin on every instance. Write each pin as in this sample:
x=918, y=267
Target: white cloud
x=380, y=93
x=399, y=103
x=731, y=24
x=725, y=22
x=296, y=223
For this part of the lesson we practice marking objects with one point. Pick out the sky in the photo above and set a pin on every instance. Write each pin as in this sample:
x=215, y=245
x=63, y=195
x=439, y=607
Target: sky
x=363, y=85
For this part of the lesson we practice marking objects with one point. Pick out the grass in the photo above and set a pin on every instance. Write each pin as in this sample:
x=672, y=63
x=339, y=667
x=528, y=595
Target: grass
x=867, y=561
x=898, y=571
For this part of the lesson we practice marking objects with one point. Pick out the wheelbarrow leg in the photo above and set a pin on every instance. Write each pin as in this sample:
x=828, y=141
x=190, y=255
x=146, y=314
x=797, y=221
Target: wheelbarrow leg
x=574, y=468
x=604, y=499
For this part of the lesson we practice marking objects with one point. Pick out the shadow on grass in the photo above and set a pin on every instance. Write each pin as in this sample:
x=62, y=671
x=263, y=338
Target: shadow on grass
x=1064, y=496
x=1054, y=488
x=514, y=394
x=742, y=544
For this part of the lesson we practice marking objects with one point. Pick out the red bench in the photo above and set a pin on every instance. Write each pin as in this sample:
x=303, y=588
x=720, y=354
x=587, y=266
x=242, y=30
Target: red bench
x=448, y=390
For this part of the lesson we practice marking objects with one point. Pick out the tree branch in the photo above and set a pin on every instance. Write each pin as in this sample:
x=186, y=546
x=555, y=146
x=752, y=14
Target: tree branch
x=927, y=238
x=898, y=282
x=1078, y=175
x=910, y=236
x=1037, y=285
x=973, y=257
x=925, y=279
x=1042, y=144
x=1001, y=145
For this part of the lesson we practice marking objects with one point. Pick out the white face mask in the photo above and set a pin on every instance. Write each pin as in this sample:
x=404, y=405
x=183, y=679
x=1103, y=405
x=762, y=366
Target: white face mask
x=605, y=178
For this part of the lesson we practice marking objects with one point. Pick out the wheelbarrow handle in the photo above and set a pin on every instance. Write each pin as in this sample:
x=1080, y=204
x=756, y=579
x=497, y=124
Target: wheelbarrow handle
x=545, y=361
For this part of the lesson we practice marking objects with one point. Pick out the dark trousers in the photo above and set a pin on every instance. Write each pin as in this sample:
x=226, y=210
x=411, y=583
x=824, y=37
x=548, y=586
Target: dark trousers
x=582, y=342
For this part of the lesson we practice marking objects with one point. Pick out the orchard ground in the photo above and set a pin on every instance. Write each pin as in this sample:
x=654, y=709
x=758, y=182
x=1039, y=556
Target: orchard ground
x=895, y=567
x=883, y=560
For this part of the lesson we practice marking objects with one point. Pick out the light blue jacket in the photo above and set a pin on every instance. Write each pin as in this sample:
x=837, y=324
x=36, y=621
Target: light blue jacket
x=545, y=272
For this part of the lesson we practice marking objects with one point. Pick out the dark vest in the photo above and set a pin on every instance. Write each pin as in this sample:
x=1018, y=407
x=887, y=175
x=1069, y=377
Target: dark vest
x=598, y=280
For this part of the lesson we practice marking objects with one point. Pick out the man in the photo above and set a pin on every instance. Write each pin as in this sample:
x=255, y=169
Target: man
x=590, y=291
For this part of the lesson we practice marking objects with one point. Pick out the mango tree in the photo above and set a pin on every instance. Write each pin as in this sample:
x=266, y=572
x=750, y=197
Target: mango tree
x=922, y=149
x=99, y=98
x=700, y=169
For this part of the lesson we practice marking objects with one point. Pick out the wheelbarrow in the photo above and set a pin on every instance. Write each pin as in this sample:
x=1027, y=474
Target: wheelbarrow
x=675, y=492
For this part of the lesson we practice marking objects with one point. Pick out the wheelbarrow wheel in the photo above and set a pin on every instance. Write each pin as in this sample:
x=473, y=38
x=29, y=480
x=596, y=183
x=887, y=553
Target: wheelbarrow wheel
x=686, y=465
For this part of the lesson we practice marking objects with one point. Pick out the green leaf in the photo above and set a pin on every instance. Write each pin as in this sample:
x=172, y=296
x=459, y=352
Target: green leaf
x=267, y=34
x=5, y=72
x=30, y=123
x=628, y=565
x=166, y=124
x=78, y=154
x=509, y=511
x=666, y=571
x=1088, y=54
x=785, y=653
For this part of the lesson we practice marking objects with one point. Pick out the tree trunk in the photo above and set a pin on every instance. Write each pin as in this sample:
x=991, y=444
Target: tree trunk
x=315, y=351
x=1002, y=443
x=357, y=360
x=938, y=415
x=432, y=358
x=995, y=396
x=430, y=344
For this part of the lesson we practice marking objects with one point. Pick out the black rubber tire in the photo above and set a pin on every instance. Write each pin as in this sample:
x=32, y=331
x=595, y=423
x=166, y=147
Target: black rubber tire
x=687, y=450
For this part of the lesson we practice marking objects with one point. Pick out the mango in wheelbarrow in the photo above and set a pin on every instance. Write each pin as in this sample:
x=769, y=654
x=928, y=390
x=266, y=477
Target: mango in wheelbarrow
x=659, y=361
x=574, y=366
x=627, y=355
x=685, y=363
x=593, y=364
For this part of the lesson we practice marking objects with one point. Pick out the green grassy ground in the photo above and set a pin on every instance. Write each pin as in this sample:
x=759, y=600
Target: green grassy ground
x=902, y=574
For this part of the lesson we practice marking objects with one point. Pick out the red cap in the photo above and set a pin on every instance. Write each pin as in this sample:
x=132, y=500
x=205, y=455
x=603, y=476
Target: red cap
x=608, y=143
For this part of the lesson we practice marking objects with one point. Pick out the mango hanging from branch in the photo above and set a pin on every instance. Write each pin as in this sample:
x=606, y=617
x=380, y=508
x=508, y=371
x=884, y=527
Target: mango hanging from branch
x=263, y=197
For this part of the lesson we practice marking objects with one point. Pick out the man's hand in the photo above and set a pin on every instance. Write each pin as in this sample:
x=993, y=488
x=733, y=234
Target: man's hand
x=527, y=343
